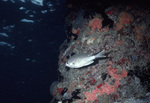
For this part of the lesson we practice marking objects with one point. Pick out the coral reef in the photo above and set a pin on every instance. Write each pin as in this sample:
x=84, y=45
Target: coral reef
x=124, y=74
x=96, y=23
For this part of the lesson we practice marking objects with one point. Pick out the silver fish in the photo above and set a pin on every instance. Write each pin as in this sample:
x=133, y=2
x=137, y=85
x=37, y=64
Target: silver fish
x=83, y=59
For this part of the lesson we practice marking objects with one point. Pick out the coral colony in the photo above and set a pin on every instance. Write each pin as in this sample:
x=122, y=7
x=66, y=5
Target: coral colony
x=124, y=74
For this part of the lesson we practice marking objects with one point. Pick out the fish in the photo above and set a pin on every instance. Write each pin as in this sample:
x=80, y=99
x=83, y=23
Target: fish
x=83, y=59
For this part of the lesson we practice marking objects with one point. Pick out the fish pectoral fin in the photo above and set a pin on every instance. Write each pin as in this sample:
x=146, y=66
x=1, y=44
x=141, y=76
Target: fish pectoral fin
x=88, y=63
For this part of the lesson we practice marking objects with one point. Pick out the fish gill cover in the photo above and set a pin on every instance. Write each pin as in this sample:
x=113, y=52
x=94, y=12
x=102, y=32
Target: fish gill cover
x=123, y=31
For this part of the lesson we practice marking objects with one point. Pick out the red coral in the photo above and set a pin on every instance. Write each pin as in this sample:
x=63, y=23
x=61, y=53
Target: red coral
x=76, y=31
x=99, y=85
x=119, y=42
x=92, y=80
x=123, y=61
x=71, y=86
x=105, y=29
x=106, y=88
x=89, y=72
x=95, y=101
x=96, y=23
x=109, y=89
x=92, y=96
x=118, y=26
x=116, y=96
x=59, y=90
x=125, y=18
x=111, y=11
x=79, y=101
x=139, y=30
x=116, y=76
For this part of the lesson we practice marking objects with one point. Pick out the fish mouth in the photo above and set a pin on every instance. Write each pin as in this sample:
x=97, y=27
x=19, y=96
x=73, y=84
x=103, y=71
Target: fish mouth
x=67, y=65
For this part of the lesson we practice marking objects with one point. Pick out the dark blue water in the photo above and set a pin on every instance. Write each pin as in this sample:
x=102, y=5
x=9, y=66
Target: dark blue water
x=29, y=67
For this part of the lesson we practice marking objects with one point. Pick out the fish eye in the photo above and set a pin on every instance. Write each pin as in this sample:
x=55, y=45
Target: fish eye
x=73, y=63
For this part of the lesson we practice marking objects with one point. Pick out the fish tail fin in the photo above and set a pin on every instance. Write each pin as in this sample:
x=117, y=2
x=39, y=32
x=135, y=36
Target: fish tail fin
x=100, y=54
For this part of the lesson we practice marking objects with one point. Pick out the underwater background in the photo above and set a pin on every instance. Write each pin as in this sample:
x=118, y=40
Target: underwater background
x=30, y=35
x=39, y=38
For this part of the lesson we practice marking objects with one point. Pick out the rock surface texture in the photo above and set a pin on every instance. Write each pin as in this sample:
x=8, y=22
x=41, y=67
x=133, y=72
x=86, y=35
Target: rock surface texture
x=123, y=76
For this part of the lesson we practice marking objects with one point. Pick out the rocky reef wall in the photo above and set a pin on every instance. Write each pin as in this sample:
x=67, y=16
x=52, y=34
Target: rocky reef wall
x=123, y=31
